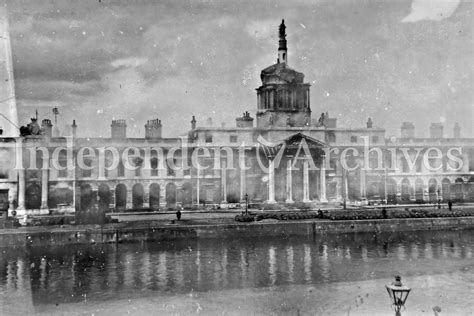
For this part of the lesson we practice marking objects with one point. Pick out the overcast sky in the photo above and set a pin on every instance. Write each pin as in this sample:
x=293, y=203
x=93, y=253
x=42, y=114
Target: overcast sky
x=401, y=60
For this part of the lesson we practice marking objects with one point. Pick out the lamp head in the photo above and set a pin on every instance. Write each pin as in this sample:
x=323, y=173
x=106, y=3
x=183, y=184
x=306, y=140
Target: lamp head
x=398, y=293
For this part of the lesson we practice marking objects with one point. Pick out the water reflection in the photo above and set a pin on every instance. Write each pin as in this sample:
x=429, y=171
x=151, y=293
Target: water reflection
x=42, y=276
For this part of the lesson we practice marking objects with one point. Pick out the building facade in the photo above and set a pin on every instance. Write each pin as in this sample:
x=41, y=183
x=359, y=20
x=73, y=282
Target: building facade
x=285, y=157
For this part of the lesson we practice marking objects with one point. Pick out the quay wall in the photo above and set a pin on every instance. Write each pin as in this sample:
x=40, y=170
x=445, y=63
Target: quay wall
x=154, y=231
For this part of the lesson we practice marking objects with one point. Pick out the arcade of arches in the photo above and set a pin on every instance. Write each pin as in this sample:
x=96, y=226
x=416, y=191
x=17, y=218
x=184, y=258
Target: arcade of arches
x=422, y=190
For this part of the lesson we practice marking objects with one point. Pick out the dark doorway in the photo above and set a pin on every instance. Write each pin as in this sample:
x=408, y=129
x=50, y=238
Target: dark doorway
x=33, y=196
x=154, y=196
x=187, y=195
x=86, y=197
x=104, y=197
x=120, y=197
x=170, y=195
x=137, y=196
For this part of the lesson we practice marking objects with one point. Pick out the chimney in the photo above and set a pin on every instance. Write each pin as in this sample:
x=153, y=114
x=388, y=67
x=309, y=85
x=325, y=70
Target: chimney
x=407, y=130
x=329, y=122
x=457, y=130
x=193, y=123
x=246, y=121
x=153, y=129
x=47, y=127
x=436, y=130
x=74, y=128
x=119, y=129
x=369, y=123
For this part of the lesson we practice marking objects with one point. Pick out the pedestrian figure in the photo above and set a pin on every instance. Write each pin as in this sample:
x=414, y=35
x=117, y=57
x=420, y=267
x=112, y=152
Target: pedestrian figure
x=450, y=205
x=178, y=214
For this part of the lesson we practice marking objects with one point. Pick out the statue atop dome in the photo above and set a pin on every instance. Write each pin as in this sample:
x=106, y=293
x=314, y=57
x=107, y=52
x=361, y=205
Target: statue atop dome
x=282, y=30
x=282, y=49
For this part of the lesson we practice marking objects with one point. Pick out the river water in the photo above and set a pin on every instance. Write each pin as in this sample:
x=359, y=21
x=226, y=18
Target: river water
x=323, y=275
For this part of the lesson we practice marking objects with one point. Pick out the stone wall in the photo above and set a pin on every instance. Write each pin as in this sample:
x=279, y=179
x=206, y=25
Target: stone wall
x=154, y=231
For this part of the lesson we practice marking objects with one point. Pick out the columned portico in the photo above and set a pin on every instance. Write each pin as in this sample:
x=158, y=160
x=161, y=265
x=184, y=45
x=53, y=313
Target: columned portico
x=300, y=182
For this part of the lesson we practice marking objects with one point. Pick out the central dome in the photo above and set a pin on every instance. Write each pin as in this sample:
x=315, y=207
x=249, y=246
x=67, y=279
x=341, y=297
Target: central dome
x=280, y=73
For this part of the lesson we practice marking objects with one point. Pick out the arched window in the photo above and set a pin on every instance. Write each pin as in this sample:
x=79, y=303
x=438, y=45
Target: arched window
x=446, y=187
x=154, y=166
x=120, y=196
x=406, y=190
x=87, y=172
x=120, y=169
x=419, y=187
x=432, y=190
x=137, y=196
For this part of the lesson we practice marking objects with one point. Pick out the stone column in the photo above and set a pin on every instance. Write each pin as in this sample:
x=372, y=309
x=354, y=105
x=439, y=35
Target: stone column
x=224, y=184
x=198, y=191
x=243, y=184
x=345, y=184
x=20, y=210
x=271, y=182
x=21, y=193
x=146, y=196
x=289, y=182
x=306, y=182
x=362, y=184
x=44, y=191
x=99, y=165
x=322, y=174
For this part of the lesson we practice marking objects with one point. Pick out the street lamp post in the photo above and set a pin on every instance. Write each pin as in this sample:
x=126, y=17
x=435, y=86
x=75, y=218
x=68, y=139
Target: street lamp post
x=398, y=294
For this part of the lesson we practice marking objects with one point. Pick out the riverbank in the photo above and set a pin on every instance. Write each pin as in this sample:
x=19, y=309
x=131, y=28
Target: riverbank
x=141, y=231
x=353, y=298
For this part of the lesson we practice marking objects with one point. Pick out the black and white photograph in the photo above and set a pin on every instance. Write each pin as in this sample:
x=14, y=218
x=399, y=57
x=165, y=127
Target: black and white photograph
x=236, y=157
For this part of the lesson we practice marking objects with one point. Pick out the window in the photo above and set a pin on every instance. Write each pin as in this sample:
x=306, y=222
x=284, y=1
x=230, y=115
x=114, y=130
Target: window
x=87, y=173
x=330, y=137
x=170, y=165
x=333, y=164
x=353, y=139
x=108, y=163
x=471, y=160
x=208, y=138
x=63, y=164
x=138, y=171
x=120, y=169
x=405, y=168
x=209, y=163
x=375, y=139
x=138, y=163
x=4, y=163
x=154, y=166
x=388, y=160
x=419, y=162
x=233, y=138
